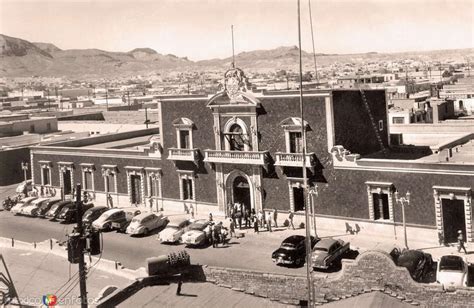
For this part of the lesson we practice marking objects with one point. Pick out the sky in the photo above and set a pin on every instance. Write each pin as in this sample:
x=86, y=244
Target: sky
x=200, y=29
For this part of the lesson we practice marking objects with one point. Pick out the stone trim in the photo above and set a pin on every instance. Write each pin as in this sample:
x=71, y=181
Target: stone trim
x=63, y=167
x=380, y=188
x=133, y=170
x=186, y=175
x=87, y=167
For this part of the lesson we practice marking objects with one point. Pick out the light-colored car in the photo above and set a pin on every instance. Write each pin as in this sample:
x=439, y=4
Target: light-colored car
x=22, y=203
x=24, y=186
x=198, y=233
x=32, y=207
x=328, y=251
x=104, y=222
x=173, y=231
x=146, y=222
x=452, y=272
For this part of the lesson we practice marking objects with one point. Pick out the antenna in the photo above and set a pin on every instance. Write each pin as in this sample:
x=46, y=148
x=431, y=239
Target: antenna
x=233, y=55
x=312, y=40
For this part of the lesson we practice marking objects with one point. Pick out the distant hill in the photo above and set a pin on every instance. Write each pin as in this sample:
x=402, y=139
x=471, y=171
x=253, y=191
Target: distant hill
x=20, y=58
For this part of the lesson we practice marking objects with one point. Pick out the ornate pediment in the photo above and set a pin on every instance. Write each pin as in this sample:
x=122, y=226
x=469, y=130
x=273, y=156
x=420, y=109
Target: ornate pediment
x=293, y=123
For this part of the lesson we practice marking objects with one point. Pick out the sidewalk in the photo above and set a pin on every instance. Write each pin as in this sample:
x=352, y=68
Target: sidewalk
x=36, y=274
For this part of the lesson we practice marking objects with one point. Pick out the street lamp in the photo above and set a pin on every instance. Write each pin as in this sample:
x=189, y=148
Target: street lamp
x=313, y=192
x=403, y=201
x=24, y=167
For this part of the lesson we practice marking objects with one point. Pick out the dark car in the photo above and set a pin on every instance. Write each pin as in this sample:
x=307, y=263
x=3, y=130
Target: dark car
x=69, y=212
x=418, y=263
x=292, y=250
x=45, y=207
x=56, y=209
x=122, y=224
x=92, y=214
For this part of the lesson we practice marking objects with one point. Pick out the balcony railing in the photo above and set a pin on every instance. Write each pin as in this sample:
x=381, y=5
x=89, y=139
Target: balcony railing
x=294, y=160
x=236, y=157
x=183, y=154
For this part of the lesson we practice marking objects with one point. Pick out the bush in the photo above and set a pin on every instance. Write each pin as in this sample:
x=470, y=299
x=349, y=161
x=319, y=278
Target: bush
x=286, y=223
x=302, y=225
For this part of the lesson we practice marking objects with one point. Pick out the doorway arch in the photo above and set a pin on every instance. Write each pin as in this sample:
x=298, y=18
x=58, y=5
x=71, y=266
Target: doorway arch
x=239, y=188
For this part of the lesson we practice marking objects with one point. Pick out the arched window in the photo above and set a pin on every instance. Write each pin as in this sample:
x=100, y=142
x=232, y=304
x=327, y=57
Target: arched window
x=236, y=138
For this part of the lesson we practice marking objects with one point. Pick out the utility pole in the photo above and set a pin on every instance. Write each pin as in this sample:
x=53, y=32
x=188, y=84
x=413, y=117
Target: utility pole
x=128, y=98
x=146, y=117
x=305, y=178
x=106, y=97
x=233, y=56
x=312, y=40
x=403, y=201
x=49, y=105
x=80, y=231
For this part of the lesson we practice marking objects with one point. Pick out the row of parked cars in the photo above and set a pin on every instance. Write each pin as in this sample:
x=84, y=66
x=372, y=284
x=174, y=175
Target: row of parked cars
x=451, y=271
x=128, y=220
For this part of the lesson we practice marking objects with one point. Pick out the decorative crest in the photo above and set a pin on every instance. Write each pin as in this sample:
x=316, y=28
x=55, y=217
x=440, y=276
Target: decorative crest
x=235, y=82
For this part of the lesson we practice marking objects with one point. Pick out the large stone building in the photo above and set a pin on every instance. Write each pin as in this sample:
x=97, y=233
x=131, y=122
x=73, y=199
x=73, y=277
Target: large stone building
x=240, y=146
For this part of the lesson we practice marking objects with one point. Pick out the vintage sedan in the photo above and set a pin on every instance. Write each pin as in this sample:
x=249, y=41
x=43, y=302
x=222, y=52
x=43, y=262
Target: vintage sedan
x=45, y=207
x=104, y=222
x=146, y=222
x=22, y=203
x=33, y=206
x=122, y=224
x=173, y=231
x=327, y=252
x=418, y=263
x=198, y=233
x=92, y=214
x=56, y=209
x=292, y=250
x=68, y=213
x=452, y=272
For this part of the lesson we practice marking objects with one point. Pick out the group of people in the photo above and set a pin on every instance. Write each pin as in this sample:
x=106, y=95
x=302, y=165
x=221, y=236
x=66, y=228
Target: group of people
x=263, y=219
x=218, y=234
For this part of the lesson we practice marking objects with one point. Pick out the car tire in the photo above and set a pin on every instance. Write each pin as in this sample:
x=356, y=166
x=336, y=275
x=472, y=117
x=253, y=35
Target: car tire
x=298, y=262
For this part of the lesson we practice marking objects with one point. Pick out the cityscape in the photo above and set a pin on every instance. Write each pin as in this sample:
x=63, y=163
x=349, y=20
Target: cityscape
x=237, y=153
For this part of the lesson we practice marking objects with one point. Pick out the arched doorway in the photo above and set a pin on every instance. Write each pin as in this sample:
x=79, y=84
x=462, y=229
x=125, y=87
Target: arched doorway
x=239, y=189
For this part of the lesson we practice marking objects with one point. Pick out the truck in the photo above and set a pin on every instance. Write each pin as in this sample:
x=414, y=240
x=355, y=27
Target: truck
x=328, y=251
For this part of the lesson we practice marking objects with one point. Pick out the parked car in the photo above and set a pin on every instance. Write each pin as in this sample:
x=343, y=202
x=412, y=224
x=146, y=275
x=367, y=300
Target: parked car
x=121, y=225
x=9, y=202
x=45, y=207
x=56, y=209
x=104, y=222
x=33, y=206
x=173, y=231
x=92, y=214
x=146, y=222
x=22, y=203
x=292, y=250
x=327, y=251
x=68, y=213
x=418, y=263
x=452, y=272
x=198, y=233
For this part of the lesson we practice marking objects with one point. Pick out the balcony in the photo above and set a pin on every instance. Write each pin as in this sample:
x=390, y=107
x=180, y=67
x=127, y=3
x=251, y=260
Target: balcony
x=183, y=154
x=294, y=160
x=236, y=157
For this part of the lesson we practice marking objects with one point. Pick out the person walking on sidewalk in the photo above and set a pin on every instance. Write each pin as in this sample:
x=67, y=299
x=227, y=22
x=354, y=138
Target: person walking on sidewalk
x=290, y=219
x=275, y=217
x=231, y=228
x=178, y=290
x=461, y=242
x=191, y=210
x=260, y=218
x=269, y=221
x=255, y=225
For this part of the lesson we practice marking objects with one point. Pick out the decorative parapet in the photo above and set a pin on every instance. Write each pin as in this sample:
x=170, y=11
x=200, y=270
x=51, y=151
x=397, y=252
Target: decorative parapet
x=183, y=154
x=294, y=160
x=342, y=157
x=237, y=157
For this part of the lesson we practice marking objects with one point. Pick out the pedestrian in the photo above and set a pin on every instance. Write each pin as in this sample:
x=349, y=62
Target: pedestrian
x=178, y=290
x=269, y=221
x=232, y=228
x=211, y=234
x=247, y=218
x=215, y=235
x=275, y=216
x=239, y=215
x=461, y=242
x=191, y=210
x=210, y=217
x=260, y=218
x=255, y=225
x=290, y=219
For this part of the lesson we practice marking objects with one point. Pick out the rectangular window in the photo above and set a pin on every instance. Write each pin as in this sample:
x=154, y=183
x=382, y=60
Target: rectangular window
x=296, y=142
x=87, y=180
x=110, y=183
x=298, y=197
x=154, y=192
x=187, y=186
x=381, y=208
x=398, y=120
x=184, y=142
x=46, y=178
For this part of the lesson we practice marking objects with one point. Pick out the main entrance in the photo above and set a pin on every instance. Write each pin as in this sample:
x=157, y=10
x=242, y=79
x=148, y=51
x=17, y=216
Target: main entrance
x=241, y=192
x=453, y=219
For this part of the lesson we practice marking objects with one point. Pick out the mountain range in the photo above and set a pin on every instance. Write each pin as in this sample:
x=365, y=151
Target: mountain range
x=21, y=58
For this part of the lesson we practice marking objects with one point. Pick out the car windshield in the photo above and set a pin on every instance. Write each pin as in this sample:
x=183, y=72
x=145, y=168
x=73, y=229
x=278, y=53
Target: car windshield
x=135, y=220
x=107, y=215
x=321, y=249
x=288, y=245
x=451, y=263
x=55, y=207
x=197, y=226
